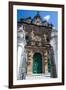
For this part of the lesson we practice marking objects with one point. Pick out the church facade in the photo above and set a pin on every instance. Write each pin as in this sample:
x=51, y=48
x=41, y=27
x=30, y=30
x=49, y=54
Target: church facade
x=40, y=54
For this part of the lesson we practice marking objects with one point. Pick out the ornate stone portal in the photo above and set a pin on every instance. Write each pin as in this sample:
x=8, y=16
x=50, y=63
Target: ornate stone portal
x=31, y=51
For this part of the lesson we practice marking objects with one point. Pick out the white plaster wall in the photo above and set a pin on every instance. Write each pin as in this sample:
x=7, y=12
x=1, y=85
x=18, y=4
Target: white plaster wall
x=54, y=44
x=21, y=42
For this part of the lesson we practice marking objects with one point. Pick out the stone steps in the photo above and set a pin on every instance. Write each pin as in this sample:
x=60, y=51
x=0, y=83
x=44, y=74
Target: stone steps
x=37, y=76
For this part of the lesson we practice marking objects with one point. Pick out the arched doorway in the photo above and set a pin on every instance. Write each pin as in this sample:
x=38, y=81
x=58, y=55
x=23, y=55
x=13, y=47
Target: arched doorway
x=37, y=63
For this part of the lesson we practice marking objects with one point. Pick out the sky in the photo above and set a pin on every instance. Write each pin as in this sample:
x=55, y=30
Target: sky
x=50, y=16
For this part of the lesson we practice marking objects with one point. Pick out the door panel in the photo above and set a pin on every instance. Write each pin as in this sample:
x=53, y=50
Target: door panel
x=37, y=63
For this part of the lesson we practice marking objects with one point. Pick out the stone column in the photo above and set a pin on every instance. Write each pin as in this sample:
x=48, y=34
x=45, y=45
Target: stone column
x=53, y=68
x=29, y=62
x=46, y=61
